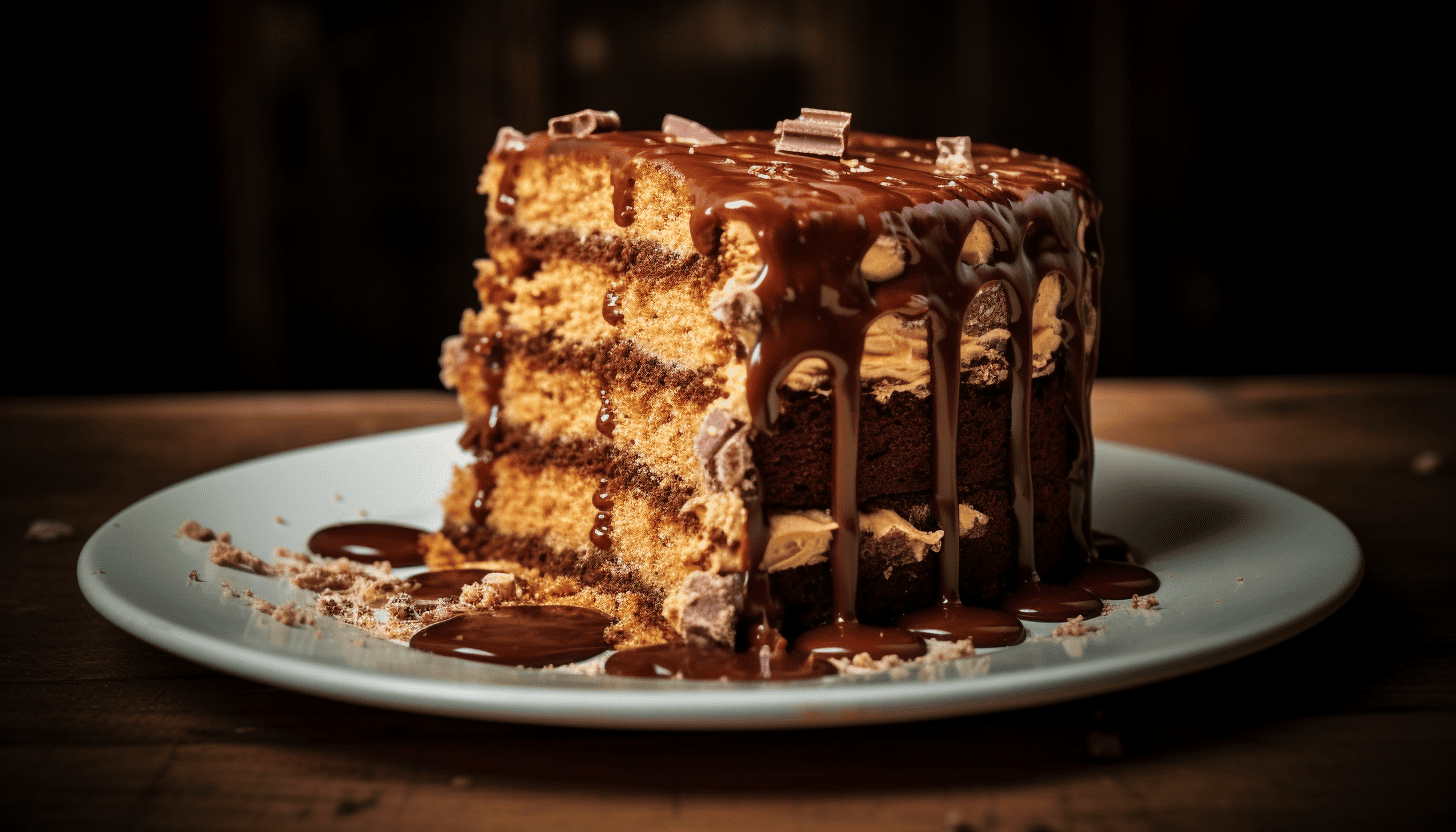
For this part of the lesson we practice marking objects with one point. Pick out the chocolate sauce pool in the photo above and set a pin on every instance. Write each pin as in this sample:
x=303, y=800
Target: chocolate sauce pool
x=370, y=543
x=520, y=636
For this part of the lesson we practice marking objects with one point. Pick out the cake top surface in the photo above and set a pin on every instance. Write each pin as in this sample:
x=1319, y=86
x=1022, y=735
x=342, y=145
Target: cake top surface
x=742, y=169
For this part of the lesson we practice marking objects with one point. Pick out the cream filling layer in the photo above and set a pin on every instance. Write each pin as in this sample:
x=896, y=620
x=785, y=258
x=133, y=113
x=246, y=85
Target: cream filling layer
x=895, y=356
x=802, y=538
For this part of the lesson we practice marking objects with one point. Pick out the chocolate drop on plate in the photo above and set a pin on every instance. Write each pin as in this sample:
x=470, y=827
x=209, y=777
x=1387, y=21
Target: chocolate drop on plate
x=520, y=636
x=1041, y=601
x=953, y=622
x=369, y=543
x=446, y=583
x=847, y=639
x=678, y=661
x=1113, y=580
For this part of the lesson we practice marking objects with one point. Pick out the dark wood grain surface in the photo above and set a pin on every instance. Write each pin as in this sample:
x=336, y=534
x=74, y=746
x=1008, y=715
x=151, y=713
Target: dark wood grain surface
x=1349, y=725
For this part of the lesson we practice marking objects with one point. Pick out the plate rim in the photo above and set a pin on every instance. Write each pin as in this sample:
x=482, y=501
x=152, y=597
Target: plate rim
x=699, y=706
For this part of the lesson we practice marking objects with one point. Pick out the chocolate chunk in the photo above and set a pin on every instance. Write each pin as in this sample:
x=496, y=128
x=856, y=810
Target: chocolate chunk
x=814, y=132
x=584, y=123
x=687, y=131
x=508, y=138
x=954, y=155
x=722, y=448
x=711, y=604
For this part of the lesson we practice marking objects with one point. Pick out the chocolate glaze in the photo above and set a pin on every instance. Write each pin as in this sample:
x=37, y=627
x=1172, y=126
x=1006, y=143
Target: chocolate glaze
x=444, y=583
x=679, y=661
x=815, y=219
x=522, y=636
x=369, y=543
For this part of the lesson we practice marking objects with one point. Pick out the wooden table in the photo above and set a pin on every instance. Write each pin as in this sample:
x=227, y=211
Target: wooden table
x=1348, y=725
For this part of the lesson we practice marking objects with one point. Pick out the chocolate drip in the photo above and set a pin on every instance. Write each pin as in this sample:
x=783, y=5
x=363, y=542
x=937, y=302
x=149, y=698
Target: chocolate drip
x=483, y=431
x=521, y=636
x=369, y=543
x=601, y=533
x=612, y=306
x=606, y=418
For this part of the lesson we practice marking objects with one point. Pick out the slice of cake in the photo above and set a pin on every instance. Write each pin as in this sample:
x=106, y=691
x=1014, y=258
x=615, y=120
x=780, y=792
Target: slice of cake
x=733, y=382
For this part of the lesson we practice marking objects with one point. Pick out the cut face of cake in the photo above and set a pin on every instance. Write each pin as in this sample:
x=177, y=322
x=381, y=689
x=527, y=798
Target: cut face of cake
x=734, y=382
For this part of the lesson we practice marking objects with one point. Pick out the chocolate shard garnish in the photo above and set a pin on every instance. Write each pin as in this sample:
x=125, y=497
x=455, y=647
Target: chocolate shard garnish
x=581, y=124
x=814, y=132
x=954, y=155
x=687, y=131
x=508, y=138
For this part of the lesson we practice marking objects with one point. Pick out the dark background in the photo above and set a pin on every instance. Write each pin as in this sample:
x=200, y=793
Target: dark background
x=280, y=195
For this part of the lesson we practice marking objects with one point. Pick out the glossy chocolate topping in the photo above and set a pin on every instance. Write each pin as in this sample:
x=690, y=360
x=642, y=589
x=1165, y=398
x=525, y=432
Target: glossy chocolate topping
x=369, y=543
x=815, y=217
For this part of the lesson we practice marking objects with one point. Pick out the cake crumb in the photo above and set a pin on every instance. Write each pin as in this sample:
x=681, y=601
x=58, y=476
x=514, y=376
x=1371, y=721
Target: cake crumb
x=262, y=606
x=1074, y=627
x=225, y=537
x=363, y=513
x=192, y=576
x=338, y=498
x=1240, y=580
x=194, y=530
x=223, y=553
x=48, y=531
x=936, y=652
x=279, y=520
x=289, y=563
x=1144, y=602
x=291, y=615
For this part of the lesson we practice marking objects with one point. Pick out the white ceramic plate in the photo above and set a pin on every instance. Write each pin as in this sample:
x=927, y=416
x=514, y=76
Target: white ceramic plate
x=1201, y=528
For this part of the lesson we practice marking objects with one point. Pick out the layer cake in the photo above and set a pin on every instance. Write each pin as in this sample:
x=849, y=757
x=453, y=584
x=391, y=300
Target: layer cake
x=726, y=383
